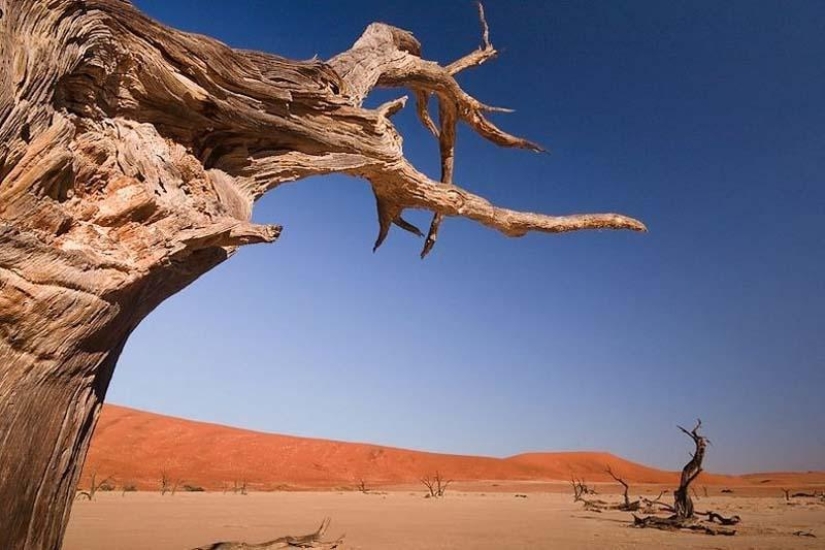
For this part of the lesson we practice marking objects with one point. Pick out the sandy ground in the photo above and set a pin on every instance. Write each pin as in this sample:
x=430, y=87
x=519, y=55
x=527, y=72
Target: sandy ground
x=405, y=520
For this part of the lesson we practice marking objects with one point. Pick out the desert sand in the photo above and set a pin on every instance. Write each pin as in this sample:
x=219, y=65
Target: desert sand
x=405, y=520
x=523, y=501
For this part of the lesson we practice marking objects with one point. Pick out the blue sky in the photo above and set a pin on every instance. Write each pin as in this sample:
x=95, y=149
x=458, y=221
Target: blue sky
x=703, y=119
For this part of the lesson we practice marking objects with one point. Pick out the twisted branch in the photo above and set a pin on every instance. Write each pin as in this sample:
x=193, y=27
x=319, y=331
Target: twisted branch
x=389, y=57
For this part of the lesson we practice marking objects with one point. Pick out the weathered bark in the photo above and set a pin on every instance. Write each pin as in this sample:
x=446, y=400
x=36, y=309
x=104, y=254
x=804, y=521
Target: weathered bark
x=130, y=157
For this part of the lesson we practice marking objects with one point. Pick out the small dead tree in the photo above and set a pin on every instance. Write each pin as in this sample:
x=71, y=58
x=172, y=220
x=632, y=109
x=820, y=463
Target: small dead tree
x=239, y=487
x=128, y=487
x=436, y=485
x=95, y=486
x=362, y=486
x=625, y=506
x=581, y=488
x=165, y=482
x=653, y=506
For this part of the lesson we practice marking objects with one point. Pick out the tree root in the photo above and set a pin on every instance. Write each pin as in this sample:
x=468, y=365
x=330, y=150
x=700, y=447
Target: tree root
x=313, y=540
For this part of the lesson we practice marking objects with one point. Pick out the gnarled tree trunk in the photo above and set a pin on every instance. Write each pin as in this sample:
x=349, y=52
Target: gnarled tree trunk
x=130, y=157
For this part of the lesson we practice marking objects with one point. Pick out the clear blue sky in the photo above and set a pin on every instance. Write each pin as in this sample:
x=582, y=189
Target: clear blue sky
x=704, y=119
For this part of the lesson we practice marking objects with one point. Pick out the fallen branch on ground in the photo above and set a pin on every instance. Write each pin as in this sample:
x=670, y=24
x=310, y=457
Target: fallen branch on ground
x=675, y=523
x=312, y=540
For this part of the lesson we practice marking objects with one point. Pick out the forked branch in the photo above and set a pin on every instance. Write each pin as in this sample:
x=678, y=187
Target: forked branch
x=398, y=185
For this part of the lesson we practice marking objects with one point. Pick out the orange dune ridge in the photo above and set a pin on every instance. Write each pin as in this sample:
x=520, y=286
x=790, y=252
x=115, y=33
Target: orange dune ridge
x=135, y=447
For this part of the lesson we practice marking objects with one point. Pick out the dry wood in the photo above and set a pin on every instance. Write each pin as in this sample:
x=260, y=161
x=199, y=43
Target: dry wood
x=803, y=494
x=680, y=524
x=313, y=540
x=626, y=505
x=131, y=155
x=684, y=515
x=720, y=519
x=597, y=505
x=580, y=488
x=682, y=501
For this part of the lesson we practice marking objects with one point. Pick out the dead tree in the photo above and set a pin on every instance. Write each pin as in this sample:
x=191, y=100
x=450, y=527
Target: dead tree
x=655, y=505
x=95, y=486
x=239, y=487
x=684, y=515
x=362, y=486
x=436, y=485
x=683, y=504
x=131, y=155
x=580, y=488
x=625, y=506
x=128, y=487
x=165, y=483
x=312, y=540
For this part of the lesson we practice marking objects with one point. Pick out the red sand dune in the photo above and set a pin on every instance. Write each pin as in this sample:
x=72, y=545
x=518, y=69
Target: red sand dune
x=135, y=447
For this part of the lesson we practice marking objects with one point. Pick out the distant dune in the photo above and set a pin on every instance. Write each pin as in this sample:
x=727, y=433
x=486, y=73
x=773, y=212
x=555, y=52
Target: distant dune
x=136, y=446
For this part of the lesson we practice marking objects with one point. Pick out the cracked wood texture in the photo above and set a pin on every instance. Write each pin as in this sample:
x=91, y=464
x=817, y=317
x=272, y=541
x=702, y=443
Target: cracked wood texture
x=131, y=155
